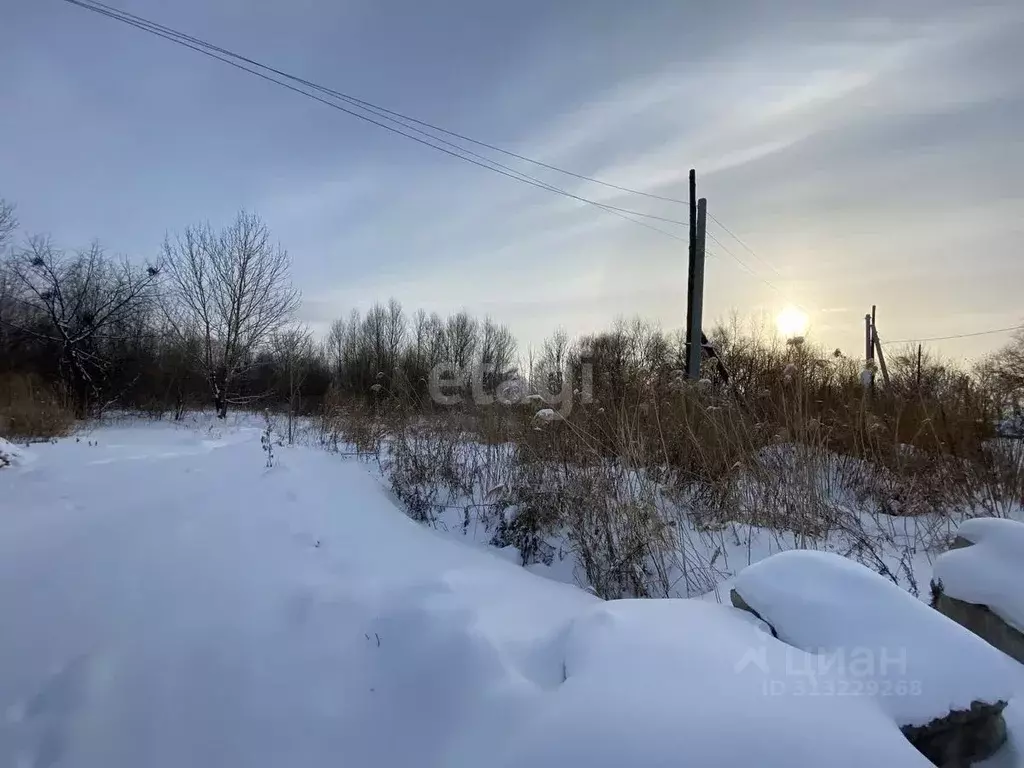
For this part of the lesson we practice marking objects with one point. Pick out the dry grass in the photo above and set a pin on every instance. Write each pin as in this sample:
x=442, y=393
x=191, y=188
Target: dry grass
x=794, y=444
x=31, y=410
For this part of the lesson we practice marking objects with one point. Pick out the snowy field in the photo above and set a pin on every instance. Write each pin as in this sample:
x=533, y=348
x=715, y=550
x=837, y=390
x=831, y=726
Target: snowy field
x=169, y=600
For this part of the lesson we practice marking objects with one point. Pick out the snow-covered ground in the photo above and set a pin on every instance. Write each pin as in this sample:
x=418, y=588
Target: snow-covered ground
x=169, y=600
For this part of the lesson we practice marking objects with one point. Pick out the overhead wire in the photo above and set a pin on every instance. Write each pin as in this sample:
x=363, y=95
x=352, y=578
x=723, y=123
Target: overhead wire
x=461, y=153
x=409, y=123
x=744, y=245
x=230, y=57
x=367, y=105
x=955, y=336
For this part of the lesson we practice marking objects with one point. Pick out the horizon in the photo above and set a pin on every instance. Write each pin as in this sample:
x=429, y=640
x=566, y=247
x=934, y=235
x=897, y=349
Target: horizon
x=865, y=156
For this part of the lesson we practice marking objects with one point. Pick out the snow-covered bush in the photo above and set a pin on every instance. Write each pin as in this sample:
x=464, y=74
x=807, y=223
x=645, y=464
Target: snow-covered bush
x=267, y=440
x=424, y=469
x=658, y=485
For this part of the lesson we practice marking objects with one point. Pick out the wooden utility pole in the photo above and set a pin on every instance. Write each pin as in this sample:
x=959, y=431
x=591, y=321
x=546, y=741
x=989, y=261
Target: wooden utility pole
x=873, y=346
x=695, y=299
x=690, y=270
x=869, y=340
x=881, y=357
x=711, y=352
x=697, y=343
x=869, y=355
x=695, y=303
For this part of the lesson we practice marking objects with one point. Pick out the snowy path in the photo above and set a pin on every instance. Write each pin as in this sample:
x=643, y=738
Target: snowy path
x=168, y=601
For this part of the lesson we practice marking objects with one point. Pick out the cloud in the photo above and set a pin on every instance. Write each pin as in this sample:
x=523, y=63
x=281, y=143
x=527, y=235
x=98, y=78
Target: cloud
x=868, y=153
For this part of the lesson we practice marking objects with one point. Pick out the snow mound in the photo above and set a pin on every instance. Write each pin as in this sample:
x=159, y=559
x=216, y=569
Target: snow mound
x=989, y=570
x=12, y=456
x=662, y=683
x=547, y=415
x=914, y=662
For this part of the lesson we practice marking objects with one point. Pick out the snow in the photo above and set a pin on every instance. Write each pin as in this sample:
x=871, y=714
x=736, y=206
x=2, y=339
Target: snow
x=990, y=571
x=916, y=663
x=174, y=602
x=169, y=600
x=1012, y=754
x=663, y=683
x=546, y=414
x=13, y=455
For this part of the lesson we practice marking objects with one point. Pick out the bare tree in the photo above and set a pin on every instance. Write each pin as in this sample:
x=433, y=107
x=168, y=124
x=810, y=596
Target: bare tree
x=497, y=354
x=81, y=304
x=461, y=332
x=1005, y=370
x=232, y=290
x=334, y=347
x=8, y=222
x=395, y=329
x=416, y=365
x=293, y=350
x=553, y=361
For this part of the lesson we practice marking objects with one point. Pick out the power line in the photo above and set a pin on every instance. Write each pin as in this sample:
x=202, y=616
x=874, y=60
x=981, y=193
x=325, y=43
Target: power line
x=229, y=57
x=743, y=264
x=745, y=247
x=96, y=5
x=955, y=336
x=457, y=151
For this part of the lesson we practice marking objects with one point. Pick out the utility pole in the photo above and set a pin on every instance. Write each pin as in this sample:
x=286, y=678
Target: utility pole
x=696, y=342
x=877, y=345
x=881, y=357
x=870, y=320
x=873, y=346
x=695, y=300
x=869, y=353
x=690, y=270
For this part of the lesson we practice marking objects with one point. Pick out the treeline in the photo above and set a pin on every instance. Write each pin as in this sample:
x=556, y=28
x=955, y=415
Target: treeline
x=210, y=321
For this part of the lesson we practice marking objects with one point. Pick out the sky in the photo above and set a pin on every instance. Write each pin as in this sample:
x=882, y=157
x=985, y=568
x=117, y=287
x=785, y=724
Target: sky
x=865, y=153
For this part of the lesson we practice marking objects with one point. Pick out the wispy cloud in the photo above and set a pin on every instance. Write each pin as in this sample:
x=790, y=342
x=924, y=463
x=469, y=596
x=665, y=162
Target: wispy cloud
x=861, y=150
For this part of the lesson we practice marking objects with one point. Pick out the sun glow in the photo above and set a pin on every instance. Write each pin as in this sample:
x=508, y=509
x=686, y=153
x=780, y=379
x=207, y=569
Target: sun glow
x=791, y=322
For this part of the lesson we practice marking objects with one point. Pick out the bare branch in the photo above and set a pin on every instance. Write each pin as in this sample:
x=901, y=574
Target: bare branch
x=233, y=290
x=8, y=221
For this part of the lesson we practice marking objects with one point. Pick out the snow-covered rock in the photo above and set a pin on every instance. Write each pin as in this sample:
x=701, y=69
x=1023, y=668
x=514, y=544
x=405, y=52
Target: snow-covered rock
x=931, y=676
x=979, y=583
x=986, y=567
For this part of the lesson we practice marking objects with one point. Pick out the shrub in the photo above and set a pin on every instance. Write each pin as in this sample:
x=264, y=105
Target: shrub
x=29, y=409
x=793, y=444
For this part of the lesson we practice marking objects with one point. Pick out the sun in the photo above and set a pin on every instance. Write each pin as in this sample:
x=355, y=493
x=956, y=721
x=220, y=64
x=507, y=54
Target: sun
x=791, y=322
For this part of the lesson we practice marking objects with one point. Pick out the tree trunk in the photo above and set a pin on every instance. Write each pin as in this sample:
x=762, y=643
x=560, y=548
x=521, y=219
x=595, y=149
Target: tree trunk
x=218, y=383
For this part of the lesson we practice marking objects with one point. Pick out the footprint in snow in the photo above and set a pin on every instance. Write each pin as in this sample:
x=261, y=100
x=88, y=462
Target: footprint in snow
x=45, y=719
